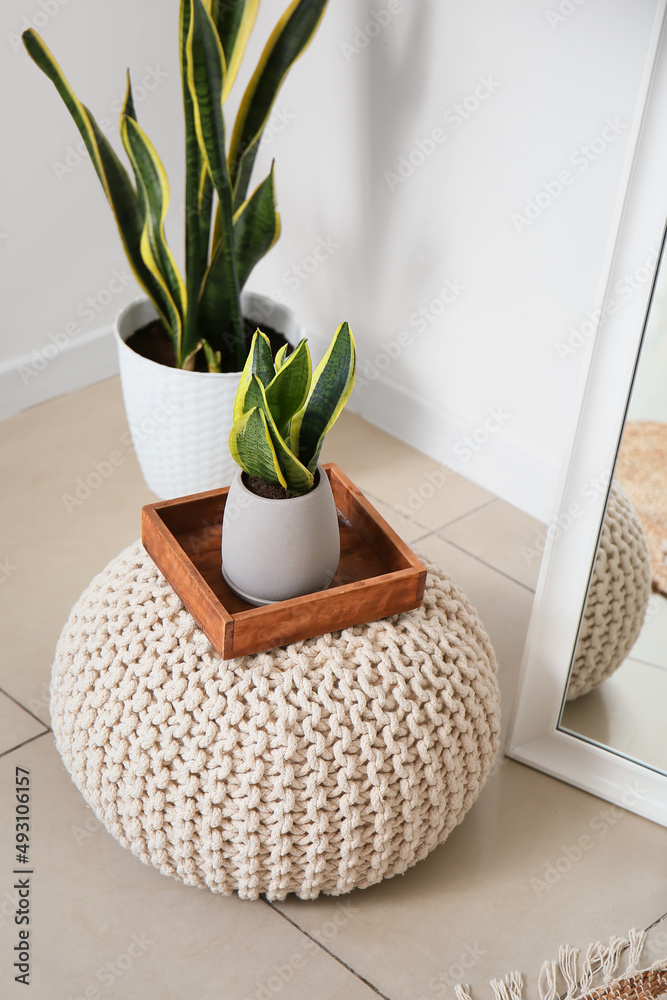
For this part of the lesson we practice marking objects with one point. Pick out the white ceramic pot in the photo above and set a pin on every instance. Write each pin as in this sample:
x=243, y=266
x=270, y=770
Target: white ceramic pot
x=276, y=549
x=180, y=420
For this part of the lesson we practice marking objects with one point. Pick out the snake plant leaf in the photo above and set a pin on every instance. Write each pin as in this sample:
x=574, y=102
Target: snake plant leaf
x=260, y=363
x=256, y=227
x=251, y=447
x=234, y=21
x=219, y=302
x=113, y=176
x=298, y=478
x=280, y=357
x=288, y=390
x=152, y=181
x=289, y=39
x=331, y=387
x=198, y=195
x=212, y=357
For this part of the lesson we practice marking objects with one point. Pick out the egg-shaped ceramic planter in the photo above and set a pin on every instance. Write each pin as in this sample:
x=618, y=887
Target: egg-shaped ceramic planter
x=180, y=420
x=273, y=550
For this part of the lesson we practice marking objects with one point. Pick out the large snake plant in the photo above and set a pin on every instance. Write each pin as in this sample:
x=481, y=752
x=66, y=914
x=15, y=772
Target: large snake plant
x=223, y=240
x=283, y=411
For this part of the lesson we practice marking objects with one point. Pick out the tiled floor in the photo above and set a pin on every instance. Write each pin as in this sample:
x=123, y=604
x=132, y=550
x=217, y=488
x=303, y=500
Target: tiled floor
x=627, y=712
x=105, y=926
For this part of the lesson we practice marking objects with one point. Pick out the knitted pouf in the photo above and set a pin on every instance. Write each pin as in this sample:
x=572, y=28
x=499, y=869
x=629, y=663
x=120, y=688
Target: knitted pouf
x=617, y=598
x=322, y=766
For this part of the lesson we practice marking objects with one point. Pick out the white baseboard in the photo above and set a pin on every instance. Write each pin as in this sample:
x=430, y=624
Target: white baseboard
x=489, y=458
x=493, y=461
x=55, y=370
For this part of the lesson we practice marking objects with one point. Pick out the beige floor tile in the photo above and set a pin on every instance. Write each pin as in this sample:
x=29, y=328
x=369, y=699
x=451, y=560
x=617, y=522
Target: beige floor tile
x=104, y=923
x=503, y=606
x=504, y=892
x=626, y=713
x=53, y=546
x=502, y=536
x=405, y=527
x=414, y=484
x=651, y=646
x=16, y=726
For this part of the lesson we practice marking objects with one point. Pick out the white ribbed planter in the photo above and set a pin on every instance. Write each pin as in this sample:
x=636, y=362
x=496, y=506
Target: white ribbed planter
x=276, y=549
x=179, y=420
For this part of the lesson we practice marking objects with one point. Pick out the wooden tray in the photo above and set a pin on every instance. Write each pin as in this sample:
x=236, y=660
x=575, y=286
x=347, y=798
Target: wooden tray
x=377, y=575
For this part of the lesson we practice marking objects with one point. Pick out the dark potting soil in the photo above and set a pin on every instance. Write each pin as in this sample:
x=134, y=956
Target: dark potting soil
x=152, y=342
x=271, y=491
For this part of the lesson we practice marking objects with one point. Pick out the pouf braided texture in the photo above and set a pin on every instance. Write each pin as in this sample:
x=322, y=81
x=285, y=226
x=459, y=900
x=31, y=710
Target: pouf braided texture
x=617, y=598
x=322, y=766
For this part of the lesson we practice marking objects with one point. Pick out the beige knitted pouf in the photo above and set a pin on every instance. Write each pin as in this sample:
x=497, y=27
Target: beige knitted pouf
x=617, y=599
x=322, y=766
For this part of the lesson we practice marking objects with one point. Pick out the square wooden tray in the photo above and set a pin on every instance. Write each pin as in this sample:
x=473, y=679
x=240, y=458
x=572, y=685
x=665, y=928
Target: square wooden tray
x=377, y=575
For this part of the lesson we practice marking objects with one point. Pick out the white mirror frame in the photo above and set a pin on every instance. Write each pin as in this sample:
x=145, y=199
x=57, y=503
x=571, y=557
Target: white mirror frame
x=637, y=231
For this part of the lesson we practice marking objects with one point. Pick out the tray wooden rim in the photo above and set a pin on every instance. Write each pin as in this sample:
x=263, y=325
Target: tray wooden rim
x=223, y=640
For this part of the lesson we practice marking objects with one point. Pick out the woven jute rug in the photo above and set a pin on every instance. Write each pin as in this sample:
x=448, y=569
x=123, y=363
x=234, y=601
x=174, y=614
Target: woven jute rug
x=642, y=469
x=595, y=975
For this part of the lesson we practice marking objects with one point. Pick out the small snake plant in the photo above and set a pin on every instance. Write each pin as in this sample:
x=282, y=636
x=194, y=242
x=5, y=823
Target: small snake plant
x=223, y=241
x=283, y=410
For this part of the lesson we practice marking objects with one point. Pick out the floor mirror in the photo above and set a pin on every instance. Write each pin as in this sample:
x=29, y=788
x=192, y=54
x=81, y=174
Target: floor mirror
x=591, y=707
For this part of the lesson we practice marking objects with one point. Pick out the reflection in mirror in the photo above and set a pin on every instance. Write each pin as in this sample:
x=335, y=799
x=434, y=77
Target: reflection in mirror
x=617, y=688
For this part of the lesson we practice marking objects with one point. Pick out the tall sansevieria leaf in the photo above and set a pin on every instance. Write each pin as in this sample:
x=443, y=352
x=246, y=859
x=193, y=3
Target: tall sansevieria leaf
x=283, y=411
x=225, y=235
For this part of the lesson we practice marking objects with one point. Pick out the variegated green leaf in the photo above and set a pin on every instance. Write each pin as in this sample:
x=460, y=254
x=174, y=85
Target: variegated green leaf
x=256, y=228
x=234, y=21
x=113, y=176
x=198, y=197
x=331, y=387
x=279, y=359
x=219, y=302
x=152, y=181
x=287, y=391
x=288, y=40
x=260, y=363
x=299, y=479
x=212, y=357
x=251, y=447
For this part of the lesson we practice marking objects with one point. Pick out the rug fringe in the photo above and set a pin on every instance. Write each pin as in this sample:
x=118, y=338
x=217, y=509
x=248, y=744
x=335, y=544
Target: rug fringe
x=600, y=962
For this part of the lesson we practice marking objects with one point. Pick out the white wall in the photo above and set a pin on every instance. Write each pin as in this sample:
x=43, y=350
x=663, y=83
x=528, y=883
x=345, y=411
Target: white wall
x=497, y=295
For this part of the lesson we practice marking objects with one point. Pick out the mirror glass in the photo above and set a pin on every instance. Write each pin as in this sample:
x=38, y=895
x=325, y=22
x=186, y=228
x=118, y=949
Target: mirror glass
x=616, y=694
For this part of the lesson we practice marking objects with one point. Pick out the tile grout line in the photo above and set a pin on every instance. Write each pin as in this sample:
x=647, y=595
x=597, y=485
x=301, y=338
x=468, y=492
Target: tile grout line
x=325, y=949
x=462, y=517
x=488, y=565
x=27, y=710
x=25, y=743
x=427, y=530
